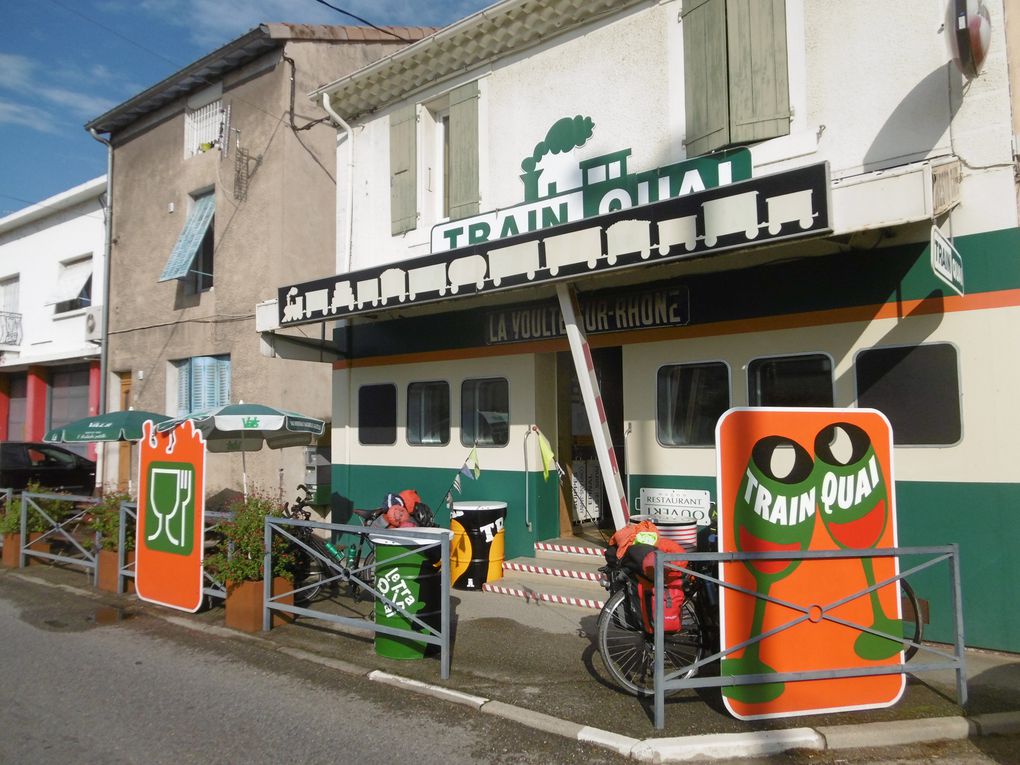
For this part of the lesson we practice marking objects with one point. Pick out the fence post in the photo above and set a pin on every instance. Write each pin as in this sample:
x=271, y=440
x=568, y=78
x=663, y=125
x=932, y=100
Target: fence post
x=957, y=601
x=24, y=530
x=444, y=617
x=658, y=678
x=267, y=573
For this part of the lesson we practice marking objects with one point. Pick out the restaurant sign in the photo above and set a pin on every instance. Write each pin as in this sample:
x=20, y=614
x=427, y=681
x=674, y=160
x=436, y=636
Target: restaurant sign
x=772, y=208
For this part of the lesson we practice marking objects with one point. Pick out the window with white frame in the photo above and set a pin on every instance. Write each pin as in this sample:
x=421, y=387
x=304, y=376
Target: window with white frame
x=736, y=78
x=485, y=412
x=804, y=380
x=377, y=414
x=203, y=121
x=191, y=259
x=428, y=413
x=690, y=399
x=10, y=311
x=449, y=140
x=907, y=384
x=203, y=382
x=73, y=289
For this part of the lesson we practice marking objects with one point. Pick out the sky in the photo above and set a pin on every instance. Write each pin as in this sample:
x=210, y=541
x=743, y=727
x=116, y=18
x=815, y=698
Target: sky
x=66, y=62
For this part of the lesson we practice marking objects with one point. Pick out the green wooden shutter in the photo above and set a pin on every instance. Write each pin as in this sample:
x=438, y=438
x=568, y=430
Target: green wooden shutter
x=403, y=170
x=705, y=101
x=759, y=78
x=463, y=143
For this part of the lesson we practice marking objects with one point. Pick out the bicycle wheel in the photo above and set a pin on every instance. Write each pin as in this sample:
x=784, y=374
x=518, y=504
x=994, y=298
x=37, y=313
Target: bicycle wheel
x=366, y=573
x=629, y=652
x=310, y=572
x=913, y=622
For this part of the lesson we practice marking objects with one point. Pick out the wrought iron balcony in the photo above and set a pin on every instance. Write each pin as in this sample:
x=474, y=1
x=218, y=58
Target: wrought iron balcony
x=10, y=328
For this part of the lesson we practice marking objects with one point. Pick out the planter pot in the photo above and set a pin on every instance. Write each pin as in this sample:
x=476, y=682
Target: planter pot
x=244, y=604
x=106, y=571
x=12, y=549
x=12, y=546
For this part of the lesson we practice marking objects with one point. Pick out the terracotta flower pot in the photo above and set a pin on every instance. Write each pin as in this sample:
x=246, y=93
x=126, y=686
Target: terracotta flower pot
x=12, y=546
x=44, y=547
x=106, y=571
x=244, y=604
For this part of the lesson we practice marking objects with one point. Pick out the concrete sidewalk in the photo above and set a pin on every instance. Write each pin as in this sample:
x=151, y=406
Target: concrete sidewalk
x=536, y=663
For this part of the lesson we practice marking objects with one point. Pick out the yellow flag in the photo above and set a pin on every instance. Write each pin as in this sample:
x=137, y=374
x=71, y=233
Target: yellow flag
x=547, y=455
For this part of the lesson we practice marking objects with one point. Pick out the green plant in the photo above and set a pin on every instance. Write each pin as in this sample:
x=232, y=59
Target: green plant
x=57, y=509
x=105, y=518
x=244, y=536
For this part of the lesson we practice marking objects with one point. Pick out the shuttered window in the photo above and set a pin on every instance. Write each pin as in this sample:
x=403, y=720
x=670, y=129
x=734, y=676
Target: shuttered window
x=735, y=72
x=189, y=243
x=203, y=382
x=462, y=145
x=403, y=172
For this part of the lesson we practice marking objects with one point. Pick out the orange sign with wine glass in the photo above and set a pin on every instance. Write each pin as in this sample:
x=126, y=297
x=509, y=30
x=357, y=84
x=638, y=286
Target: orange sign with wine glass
x=171, y=512
x=793, y=480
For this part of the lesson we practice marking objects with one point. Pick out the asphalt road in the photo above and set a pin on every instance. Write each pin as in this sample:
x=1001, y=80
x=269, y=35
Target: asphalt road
x=86, y=683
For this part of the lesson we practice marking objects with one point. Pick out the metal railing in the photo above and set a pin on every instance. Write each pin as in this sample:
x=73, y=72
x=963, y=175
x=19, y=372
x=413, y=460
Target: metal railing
x=339, y=571
x=56, y=529
x=816, y=612
x=211, y=586
x=10, y=328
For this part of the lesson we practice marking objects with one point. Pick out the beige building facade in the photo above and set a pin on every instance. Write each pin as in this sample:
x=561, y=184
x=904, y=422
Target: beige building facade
x=223, y=187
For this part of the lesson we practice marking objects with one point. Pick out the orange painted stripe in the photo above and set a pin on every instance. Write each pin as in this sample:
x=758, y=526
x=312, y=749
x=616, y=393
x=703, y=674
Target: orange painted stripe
x=981, y=301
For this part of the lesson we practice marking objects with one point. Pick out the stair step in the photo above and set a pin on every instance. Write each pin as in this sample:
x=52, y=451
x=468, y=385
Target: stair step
x=568, y=552
x=540, y=569
x=578, y=593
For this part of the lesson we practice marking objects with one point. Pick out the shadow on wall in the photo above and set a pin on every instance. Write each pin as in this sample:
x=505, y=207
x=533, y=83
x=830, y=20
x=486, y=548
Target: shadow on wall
x=920, y=120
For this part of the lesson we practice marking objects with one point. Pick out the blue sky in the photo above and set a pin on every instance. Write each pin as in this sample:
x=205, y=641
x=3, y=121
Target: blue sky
x=65, y=62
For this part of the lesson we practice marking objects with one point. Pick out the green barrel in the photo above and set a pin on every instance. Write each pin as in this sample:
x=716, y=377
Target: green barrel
x=414, y=583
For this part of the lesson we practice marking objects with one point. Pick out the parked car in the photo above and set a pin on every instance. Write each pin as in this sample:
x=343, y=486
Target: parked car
x=53, y=467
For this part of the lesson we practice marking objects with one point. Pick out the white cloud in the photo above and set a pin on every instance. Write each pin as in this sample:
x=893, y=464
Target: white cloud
x=25, y=115
x=15, y=71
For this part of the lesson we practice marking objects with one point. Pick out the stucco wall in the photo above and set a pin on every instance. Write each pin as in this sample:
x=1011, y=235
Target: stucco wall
x=284, y=230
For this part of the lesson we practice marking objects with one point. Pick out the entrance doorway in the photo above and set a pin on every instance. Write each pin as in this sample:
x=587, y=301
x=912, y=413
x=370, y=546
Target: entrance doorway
x=587, y=506
x=124, y=472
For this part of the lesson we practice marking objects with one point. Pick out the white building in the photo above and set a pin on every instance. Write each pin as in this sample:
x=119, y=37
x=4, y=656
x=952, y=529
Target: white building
x=52, y=258
x=742, y=194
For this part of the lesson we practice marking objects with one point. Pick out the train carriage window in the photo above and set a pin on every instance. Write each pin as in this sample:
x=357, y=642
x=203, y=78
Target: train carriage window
x=790, y=381
x=485, y=412
x=690, y=399
x=909, y=384
x=377, y=414
x=428, y=413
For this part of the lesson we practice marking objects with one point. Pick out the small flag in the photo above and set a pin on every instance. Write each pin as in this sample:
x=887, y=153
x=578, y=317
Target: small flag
x=548, y=458
x=456, y=483
x=473, y=459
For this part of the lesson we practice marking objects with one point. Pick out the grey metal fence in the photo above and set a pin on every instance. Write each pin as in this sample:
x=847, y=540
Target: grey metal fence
x=65, y=530
x=935, y=659
x=414, y=541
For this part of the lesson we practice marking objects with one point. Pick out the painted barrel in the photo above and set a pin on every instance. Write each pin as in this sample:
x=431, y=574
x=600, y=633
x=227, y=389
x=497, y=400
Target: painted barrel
x=476, y=555
x=407, y=576
x=684, y=534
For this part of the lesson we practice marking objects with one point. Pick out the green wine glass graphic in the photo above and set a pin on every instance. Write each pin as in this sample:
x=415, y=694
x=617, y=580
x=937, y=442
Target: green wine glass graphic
x=773, y=511
x=853, y=500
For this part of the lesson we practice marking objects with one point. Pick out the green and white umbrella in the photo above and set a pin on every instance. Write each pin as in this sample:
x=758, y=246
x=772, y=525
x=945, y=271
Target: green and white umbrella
x=248, y=427
x=124, y=425
x=245, y=427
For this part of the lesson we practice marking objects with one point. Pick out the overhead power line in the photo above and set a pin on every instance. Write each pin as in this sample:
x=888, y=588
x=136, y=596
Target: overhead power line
x=363, y=21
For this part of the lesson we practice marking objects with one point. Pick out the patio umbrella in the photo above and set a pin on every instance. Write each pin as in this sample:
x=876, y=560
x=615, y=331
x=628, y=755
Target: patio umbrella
x=245, y=427
x=124, y=425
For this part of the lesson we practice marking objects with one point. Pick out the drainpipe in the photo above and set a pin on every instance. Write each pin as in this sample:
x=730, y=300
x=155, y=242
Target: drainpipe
x=527, y=504
x=104, y=351
x=342, y=124
x=348, y=260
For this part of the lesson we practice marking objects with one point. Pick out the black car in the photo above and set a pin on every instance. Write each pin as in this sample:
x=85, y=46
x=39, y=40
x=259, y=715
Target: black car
x=52, y=467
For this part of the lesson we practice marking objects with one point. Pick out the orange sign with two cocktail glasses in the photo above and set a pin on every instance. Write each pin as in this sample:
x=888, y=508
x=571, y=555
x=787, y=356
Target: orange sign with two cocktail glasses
x=794, y=480
x=171, y=513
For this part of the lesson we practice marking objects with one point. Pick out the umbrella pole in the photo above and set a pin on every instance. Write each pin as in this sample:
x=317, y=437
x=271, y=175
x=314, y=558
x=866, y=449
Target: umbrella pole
x=244, y=471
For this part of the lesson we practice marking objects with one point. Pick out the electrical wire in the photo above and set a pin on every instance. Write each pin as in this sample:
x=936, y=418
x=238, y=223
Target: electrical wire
x=363, y=21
